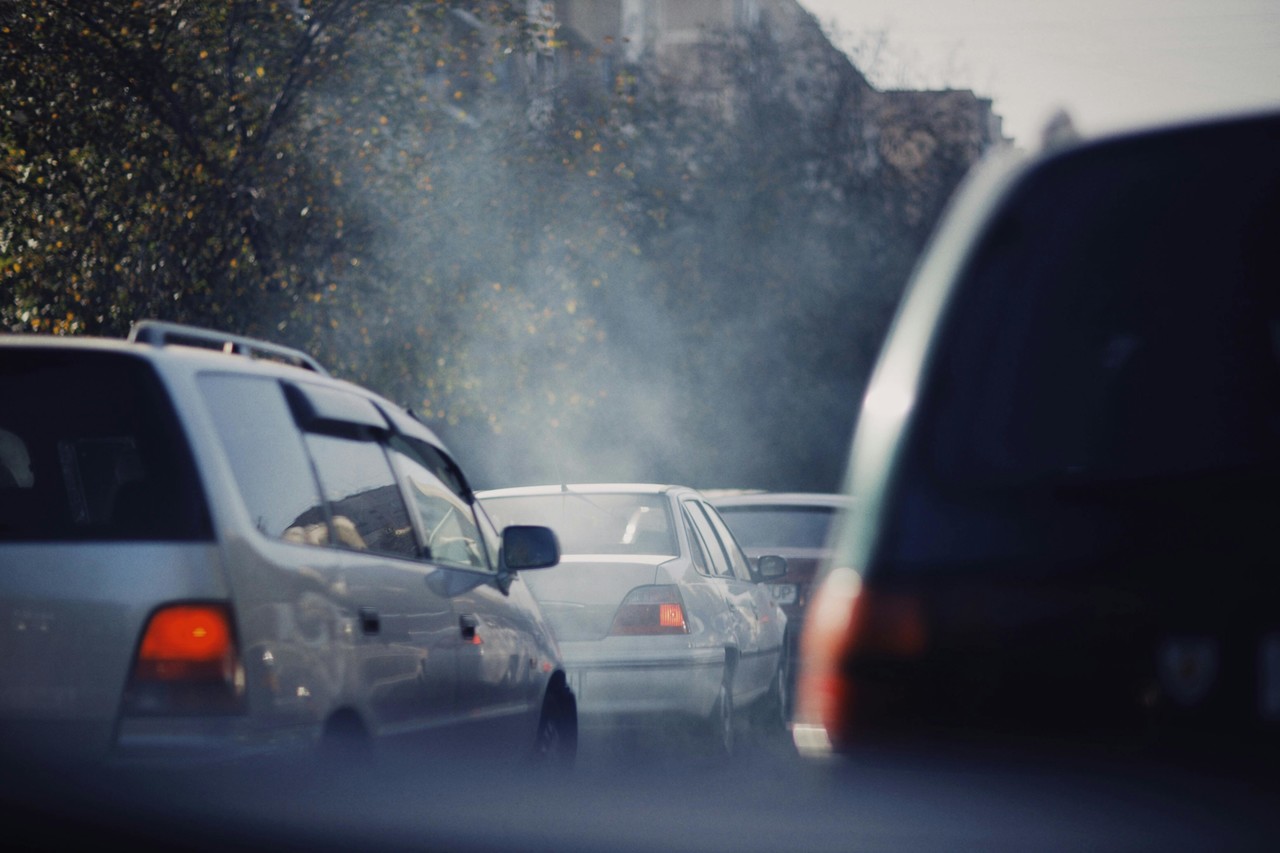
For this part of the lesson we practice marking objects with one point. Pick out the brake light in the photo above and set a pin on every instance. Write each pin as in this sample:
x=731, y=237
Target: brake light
x=650, y=610
x=187, y=663
x=847, y=621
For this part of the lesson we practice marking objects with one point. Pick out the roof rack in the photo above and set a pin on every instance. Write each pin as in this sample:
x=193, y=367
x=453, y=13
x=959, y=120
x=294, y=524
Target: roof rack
x=158, y=333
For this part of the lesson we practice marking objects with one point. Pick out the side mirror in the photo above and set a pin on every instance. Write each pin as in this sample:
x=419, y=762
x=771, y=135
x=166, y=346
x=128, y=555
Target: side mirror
x=771, y=567
x=528, y=547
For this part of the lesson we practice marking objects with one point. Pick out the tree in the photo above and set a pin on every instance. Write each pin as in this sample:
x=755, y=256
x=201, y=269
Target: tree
x=572, y=267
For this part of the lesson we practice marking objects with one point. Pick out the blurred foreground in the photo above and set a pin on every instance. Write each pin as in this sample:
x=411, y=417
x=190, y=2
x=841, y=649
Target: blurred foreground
x=650, y=793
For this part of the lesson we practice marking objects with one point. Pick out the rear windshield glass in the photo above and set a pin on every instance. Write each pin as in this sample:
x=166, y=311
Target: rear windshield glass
x=593, y=523
x=90, y=449
x=1122, y=320
x=779, y=527
x=1109, y=378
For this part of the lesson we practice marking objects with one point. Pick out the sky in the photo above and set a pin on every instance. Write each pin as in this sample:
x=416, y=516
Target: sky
x=1107, y=63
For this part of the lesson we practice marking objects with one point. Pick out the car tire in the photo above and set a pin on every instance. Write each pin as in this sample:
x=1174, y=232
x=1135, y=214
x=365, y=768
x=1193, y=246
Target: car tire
x=556, y=740
x=345, y=742
x=775, y=709
x=722, y=724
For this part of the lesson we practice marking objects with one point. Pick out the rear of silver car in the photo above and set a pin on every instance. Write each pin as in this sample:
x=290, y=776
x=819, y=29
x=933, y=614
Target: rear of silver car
x=112, y=594
x=640, y=635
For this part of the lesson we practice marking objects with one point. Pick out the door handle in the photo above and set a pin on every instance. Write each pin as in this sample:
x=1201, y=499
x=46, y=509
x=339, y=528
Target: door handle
x=467, y=624
x=369, y=621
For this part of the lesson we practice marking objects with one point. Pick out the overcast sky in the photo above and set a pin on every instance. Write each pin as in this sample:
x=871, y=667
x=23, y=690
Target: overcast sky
x=1107, y=62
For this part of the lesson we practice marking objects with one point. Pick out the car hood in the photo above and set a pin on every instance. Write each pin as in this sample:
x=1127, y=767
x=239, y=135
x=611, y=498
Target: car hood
x=581, y=594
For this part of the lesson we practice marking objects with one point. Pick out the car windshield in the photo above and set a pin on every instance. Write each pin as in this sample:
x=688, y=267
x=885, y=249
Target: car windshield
x=779, y=526
x=593, y=523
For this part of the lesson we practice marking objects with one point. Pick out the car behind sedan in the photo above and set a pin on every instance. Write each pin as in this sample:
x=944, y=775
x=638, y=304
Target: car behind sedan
x=794, y=525
x=657, y=611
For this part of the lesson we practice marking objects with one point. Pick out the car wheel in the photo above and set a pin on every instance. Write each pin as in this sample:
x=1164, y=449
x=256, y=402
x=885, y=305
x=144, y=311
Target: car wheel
x=556, y=741
x=776, y=710
x=723, y=736
x=345, y=742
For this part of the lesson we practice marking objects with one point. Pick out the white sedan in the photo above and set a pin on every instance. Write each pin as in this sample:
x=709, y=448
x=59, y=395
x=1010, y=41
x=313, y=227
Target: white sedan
x=657, y=610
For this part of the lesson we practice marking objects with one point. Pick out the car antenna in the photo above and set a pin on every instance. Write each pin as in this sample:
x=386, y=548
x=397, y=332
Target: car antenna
x=555, y=460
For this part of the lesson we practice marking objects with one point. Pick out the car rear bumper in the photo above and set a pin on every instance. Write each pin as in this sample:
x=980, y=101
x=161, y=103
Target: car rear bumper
x=208, y=740
x=145, y=742
x=634, y=678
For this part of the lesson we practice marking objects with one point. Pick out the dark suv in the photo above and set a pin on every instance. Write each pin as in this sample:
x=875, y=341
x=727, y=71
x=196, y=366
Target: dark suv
x=211, y=548
x=1065, y=468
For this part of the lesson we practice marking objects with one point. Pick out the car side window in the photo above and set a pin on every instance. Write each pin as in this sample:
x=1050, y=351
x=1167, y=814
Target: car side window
x=490, y=536
x=266, y=455
x=696, y=550
x=450, y=535
x=719, y=559
x=741, y=567
x=367, y=508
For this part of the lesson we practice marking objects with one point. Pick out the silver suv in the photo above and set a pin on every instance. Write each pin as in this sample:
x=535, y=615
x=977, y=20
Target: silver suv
x=210, y=547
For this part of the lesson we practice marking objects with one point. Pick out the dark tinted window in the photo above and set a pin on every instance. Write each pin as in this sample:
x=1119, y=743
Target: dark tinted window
x=1108, y=380
x=1122, y=318
x=779, y=527
x=90, y=448
x=265, y=451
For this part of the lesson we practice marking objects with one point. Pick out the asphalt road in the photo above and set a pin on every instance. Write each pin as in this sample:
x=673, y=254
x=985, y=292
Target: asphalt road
x=661, y=795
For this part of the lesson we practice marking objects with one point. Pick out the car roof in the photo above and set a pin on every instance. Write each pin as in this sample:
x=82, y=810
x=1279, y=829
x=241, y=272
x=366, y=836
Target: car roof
x=586, y=488
x=825, y=499
x=158, y=352
x=244, y=355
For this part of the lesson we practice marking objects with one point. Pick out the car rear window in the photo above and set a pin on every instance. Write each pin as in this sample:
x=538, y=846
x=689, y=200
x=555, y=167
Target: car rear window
x=1109, y=377
x=593, y=523
x=90, y=449
x=1122, y=319
x=779, y=527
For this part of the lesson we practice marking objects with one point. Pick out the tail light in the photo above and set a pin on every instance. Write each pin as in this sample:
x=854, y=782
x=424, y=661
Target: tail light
x=187, y=663
x=846, y=621
x=650, y=610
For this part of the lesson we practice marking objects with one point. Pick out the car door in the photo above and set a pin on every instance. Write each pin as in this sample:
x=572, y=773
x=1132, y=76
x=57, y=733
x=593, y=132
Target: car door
x=493, y=630
x=406, y=636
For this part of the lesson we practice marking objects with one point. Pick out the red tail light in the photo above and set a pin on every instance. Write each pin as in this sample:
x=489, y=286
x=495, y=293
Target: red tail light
x=187, y=663
x=847, y=621
x=650, y=610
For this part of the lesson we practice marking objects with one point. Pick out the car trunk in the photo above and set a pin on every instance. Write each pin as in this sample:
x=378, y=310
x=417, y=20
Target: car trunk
x=581, y=595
